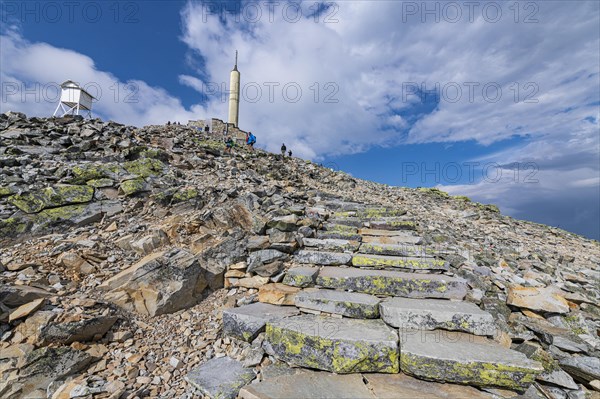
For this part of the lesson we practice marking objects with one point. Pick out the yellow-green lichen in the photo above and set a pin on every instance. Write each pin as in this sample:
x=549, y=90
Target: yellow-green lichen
x=134, y=186
x=49, y=197
x=12, y=227
x=144, y=167
x=100, y=183
x=463, y=198
x=185, y=195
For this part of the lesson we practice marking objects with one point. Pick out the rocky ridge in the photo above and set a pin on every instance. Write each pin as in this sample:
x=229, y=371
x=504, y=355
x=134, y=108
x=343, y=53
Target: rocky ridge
x=147, y=262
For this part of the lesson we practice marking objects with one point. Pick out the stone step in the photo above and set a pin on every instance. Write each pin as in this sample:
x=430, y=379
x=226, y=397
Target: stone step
x=392, y=283
x=300, y=276
x=394, y=240
x=323, y=258
x=349, y=221
x=432, y=314
x=340, y=228
x=349, y=304
x=387, y=233
x=339, y=345
x=371, y=213
x=309, y=385
x=393, y=224
x=246, y=322
x=339, y=235
x=220, y=377
x=413, y=263
x=401, y=386
x=397, y=250
x=331, y=244
x=465, y=359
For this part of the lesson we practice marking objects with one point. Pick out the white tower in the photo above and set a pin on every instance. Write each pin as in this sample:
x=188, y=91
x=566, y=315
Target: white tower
x=234, y=94
x=74, y=99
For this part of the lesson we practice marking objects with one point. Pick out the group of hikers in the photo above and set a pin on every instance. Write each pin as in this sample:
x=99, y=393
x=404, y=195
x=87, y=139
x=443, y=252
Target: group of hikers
x=250, y=141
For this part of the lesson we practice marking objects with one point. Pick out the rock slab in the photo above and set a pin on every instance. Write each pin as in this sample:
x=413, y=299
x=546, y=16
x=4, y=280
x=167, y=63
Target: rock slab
x=392, y=283
x=349, y=304
x=465, y=359
x=339, y=345
x=431, y=314
x=246, y=322
x=220, y=378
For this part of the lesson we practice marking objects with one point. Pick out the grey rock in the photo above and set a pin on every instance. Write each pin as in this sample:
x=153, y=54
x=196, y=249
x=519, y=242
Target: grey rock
x=338, y=345
x=582, y=368
x=432, y=314
x=309, y=385
x=392, y=283
x=16, y=295
x=301, y=276
x=400, y=386
x=412, y=263
x=284, y=223
x=163, y=282
x=331, y=244
x=263, y=256
x=246, y=322
x=45, y=365
x=323, y=258
x=80, y=331
x=220, y=378
x=349, y=304
x=463, y=358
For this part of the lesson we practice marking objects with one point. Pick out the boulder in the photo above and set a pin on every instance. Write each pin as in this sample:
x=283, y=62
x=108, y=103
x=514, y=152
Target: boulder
x=160, y=283
x=539, y=299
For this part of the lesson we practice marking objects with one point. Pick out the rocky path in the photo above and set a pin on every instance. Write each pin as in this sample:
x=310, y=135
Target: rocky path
x=145, y=262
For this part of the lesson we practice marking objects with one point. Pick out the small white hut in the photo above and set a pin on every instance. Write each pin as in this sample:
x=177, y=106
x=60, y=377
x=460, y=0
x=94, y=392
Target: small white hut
x=74, y=99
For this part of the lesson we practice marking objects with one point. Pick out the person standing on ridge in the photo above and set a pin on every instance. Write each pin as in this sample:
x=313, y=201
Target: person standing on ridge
x=290, y=153
x=250, y=140
x=283, y=148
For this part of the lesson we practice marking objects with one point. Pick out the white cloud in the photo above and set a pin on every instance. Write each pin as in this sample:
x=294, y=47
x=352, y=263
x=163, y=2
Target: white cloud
x=31, y=73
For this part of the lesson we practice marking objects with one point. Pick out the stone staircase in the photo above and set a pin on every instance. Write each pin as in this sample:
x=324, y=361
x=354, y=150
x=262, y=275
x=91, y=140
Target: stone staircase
x=370, y=298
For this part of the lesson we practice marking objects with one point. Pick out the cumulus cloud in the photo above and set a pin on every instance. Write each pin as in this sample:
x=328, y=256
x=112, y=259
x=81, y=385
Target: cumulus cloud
x=32, y=72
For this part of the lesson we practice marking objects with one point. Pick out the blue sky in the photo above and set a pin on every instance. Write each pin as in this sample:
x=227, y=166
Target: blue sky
x=495, y=100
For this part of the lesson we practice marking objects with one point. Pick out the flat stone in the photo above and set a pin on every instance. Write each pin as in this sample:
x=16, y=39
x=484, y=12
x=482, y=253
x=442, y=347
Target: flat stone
x=419, y=251
x=401, y=386
x=340, y=228
x=385, y=282
x=432, y=314
x=347, y=221
x=465, y=359
x=393, y=224
x=300, y=276
x=331, y=244
x=277, y=294
x=261, y=257
x=17, y=295
x=251, y=282
x=338, y=345
x=284, y=223
x=552, y=373
x=309, y=385
x=341, y=235
x=220, y=378
x=392, y=240
x=379, y=212
x=246, y=322
x=77, y=331
x=26, y=310
x=582, y=368
x=323, y=258
x=412, y=263
x=540, y=299
x=349, y=304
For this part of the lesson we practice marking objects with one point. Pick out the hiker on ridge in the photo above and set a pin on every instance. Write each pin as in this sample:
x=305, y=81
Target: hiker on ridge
x=283, y=148
x=250, y=140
